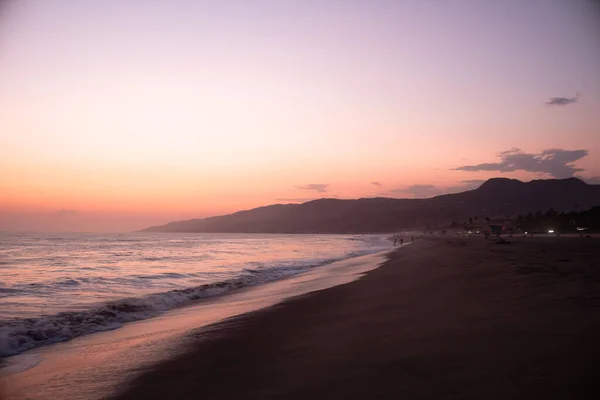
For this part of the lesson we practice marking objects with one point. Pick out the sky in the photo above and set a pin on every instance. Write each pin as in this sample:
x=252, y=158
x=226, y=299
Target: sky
x=117, y=115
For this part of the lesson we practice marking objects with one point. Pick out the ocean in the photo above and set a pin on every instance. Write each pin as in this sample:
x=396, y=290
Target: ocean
x=54, y=287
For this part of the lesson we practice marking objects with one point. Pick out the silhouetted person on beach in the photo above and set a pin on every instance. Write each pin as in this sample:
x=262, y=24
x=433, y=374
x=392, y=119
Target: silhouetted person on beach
x=412, y=238
x=401, y=241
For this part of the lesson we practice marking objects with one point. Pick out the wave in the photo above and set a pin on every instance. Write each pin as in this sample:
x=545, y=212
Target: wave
x=59, y=283
x=9, y=290
x=67, y=282
x=163, y=275
x=20, y=334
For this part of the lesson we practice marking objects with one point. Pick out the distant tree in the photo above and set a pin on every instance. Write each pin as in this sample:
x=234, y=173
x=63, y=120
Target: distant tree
x=550, y=212
x=529, y=216
x=519, y=217
x=539, y=215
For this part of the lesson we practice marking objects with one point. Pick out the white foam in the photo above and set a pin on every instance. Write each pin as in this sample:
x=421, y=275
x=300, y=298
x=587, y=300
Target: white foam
x=20, y=334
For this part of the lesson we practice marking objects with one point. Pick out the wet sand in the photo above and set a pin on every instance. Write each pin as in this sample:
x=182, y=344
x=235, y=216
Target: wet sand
x=443, y=318
x=90, y=367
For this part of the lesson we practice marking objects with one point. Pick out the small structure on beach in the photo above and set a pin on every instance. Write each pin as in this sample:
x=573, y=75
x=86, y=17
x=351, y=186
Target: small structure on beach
x=496, y=229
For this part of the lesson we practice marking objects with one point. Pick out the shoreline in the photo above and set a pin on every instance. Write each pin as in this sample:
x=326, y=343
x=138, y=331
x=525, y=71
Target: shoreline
x=101, y=360
x=113, y=314
x=444, y=318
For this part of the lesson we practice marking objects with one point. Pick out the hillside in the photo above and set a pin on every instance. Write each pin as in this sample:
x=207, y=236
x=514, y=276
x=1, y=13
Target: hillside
x=495, y=197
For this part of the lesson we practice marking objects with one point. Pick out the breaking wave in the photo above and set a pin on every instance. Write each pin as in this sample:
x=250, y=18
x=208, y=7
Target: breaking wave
x=20, y=334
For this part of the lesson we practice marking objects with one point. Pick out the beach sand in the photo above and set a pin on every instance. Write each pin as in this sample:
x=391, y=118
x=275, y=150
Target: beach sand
x=443, y=318
x=91, y=367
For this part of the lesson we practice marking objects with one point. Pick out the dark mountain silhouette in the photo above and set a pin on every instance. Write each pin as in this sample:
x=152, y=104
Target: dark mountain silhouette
x=497, y=197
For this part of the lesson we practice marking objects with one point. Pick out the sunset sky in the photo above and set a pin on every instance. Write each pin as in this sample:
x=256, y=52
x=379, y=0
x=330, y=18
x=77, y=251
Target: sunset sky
x=120, y=114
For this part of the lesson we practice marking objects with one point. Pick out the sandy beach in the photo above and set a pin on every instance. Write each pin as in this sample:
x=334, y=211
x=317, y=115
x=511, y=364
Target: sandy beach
x=443, y=318
x=92, y=366
x=294, y=199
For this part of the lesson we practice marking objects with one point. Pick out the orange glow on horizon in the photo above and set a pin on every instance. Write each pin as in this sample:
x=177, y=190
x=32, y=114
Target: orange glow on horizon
x=191, y=109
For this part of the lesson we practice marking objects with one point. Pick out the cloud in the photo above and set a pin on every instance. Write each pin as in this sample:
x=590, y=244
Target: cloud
x=475, y=183
x=592, y=180
x=557, y=163
x=421, y=191
x=562, y=101
x=465, y=185
x=317, y=187
x=418, y=190
x=375, y=183
x=63, y=212
x=295, y=199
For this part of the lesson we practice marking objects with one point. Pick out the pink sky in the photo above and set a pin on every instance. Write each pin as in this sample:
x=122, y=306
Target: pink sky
x=117, y=115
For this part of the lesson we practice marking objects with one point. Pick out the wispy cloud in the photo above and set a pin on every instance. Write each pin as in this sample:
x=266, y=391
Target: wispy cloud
x=465, y=185
x=295, y=199
x=63, y=212
x=418, y=190
x=317, y=187
x=473, y=182
x=592, y=180
x=424, y=191
x=375, y=183
x=557, y=163
x=562, y=101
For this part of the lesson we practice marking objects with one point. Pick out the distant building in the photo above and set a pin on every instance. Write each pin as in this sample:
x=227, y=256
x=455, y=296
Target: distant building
x=496, y=229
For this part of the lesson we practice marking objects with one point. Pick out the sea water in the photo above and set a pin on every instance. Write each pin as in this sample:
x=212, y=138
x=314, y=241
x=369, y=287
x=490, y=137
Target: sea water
x=54, y=287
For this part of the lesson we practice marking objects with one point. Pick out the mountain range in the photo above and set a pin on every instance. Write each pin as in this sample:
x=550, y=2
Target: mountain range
x=497, y=197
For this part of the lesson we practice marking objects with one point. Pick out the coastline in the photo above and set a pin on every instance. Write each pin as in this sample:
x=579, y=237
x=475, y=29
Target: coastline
x=449, y=318
x=99, y=362
x=100, y=282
